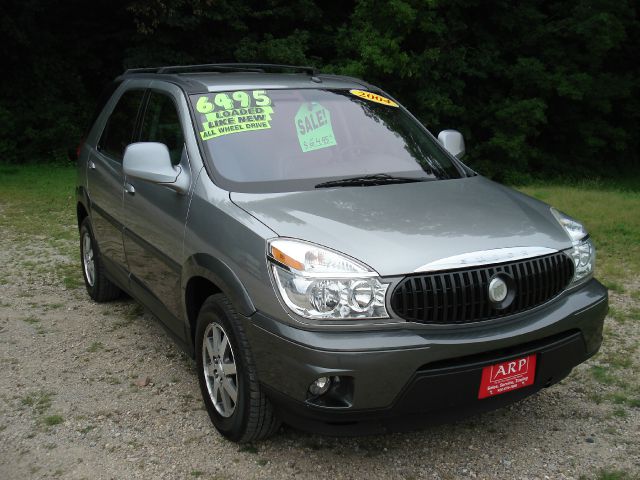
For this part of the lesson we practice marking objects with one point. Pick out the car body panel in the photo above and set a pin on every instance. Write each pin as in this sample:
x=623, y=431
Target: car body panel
x=219, y=229
x=289, y=359
x=395, y=229
x=154, y=222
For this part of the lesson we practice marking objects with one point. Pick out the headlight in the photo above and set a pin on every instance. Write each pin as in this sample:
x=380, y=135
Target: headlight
x=318, y=283
x=583, y=252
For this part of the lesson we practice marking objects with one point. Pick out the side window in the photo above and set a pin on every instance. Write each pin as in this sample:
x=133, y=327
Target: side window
x=104, y=97
x=118, y=132
x=162, y=124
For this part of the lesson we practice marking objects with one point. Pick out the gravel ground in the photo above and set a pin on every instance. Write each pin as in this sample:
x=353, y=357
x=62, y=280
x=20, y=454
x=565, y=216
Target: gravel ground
x=99, y=391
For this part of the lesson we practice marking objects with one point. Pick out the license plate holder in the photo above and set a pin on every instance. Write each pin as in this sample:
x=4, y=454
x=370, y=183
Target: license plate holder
x=507, y=376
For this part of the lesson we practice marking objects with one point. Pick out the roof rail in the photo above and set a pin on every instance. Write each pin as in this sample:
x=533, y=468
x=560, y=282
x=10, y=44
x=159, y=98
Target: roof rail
x=223, y=67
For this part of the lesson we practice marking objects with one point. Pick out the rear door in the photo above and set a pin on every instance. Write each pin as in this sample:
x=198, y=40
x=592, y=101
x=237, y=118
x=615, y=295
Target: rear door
x=105, y=178
x=155, y=215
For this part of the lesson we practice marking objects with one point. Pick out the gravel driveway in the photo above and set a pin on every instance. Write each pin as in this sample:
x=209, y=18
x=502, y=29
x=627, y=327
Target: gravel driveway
x=99, y=391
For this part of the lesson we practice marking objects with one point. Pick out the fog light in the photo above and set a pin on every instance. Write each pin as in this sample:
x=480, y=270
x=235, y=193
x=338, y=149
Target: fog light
x=320, y=386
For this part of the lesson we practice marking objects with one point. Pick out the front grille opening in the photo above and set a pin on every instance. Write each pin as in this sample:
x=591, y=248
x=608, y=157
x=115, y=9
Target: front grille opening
x=460, y=296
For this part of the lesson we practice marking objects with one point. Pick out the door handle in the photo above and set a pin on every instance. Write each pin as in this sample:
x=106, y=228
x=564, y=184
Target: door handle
x=91, y=165
x=129, y=189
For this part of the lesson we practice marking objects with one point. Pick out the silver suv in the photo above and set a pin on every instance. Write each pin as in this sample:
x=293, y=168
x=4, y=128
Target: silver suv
x=326, y=261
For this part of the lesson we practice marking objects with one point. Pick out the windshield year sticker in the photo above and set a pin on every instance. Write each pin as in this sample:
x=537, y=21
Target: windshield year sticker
x=313, y=125
x=372, y=97
x=233, y=112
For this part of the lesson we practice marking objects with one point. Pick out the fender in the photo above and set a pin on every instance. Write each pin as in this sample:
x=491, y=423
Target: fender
x=82, y=196
x=219, y=273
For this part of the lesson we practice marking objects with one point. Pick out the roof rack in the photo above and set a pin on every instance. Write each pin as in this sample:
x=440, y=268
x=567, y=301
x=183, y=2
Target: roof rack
x=224, y=67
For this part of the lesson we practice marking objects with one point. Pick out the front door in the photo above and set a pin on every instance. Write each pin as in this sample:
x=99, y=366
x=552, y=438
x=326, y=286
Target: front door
x=155, y=217
x=105, y=180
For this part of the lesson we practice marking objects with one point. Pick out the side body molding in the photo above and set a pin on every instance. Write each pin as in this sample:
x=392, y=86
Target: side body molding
x=219, y=273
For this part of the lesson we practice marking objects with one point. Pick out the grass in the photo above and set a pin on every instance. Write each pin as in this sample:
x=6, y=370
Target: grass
x=38, y=196
x=95, y=346
x=51, y=420
x=39, y=200
x=31, y=319
x=607, y=474
x=611, y=214
x=39, y=401
x=86, y=429
x=622, y=316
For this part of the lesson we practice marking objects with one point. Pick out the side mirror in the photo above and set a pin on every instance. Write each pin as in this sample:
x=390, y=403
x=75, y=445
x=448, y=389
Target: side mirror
x=453, y=142
x=151, y=161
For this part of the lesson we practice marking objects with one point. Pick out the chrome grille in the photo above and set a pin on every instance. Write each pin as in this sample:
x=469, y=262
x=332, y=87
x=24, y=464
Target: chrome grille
x=460, y=296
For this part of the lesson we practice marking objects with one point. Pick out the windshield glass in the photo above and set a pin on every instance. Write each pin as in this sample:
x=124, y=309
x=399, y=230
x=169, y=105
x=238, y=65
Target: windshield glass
x=291, y=140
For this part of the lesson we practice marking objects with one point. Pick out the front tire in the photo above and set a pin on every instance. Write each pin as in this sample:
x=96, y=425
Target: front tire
x=99, y=287
x=227, y=375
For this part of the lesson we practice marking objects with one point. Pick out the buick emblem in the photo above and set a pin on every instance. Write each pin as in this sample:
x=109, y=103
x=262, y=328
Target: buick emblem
x=501, y=290
x=498, y=290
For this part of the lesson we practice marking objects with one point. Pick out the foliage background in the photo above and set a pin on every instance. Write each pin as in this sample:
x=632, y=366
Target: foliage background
x=539, y=88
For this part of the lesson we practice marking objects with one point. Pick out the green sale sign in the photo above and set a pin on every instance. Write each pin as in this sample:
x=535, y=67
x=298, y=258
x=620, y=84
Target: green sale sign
x=313, y=125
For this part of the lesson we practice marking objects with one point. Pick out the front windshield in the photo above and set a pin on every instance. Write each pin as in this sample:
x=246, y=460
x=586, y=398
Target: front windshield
x=291, y=140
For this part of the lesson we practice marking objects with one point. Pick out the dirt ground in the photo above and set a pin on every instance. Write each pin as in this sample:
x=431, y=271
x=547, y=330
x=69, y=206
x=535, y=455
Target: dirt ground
x=99, y=391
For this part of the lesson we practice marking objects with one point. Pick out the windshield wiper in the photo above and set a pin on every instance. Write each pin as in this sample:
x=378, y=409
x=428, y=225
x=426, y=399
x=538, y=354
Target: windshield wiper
x=369, y=180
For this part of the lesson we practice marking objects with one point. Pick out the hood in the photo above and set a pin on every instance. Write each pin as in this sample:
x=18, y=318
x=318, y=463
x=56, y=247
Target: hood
x=395, y=229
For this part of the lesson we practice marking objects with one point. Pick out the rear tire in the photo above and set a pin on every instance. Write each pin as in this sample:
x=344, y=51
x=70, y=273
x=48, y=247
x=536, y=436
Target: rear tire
x=99, y=287
x=226, y=370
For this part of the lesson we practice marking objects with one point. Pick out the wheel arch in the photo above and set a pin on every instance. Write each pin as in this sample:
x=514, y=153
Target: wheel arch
x=82, y=202
x=205, y=275
x=81, y=213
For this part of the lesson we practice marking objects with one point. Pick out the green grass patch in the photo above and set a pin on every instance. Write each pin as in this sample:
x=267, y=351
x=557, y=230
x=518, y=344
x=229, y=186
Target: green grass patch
x=95, y=346
x=619, y=412
x=623, y=316
x=53, y=306
x=603, y=375
x=618, y=359
x=86, y=429
x=39, y=201
x=613, y=286
x=39, y=401
x=31, y=320
x=51, y=420
x=611, y=213
x=611, y=474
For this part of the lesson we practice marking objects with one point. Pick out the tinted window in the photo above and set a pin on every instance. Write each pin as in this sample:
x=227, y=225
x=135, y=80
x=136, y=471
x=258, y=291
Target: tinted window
x=118, y=133
x=162, y=124
x=104, y=97
x=286, y=140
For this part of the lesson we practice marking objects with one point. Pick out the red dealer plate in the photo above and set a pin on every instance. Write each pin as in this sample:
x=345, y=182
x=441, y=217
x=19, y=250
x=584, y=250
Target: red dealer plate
x=506, y=376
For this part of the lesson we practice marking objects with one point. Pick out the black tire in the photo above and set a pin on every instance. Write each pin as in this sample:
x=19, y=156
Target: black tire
x=253, y=417
x=102, y=289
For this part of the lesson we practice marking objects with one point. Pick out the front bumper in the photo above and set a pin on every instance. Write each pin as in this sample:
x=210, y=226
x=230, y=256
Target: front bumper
x=397, y=379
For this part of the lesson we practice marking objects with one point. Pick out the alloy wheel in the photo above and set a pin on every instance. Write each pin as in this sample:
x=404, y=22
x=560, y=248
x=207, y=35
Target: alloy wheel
x=88, y=261
x=220, y=370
